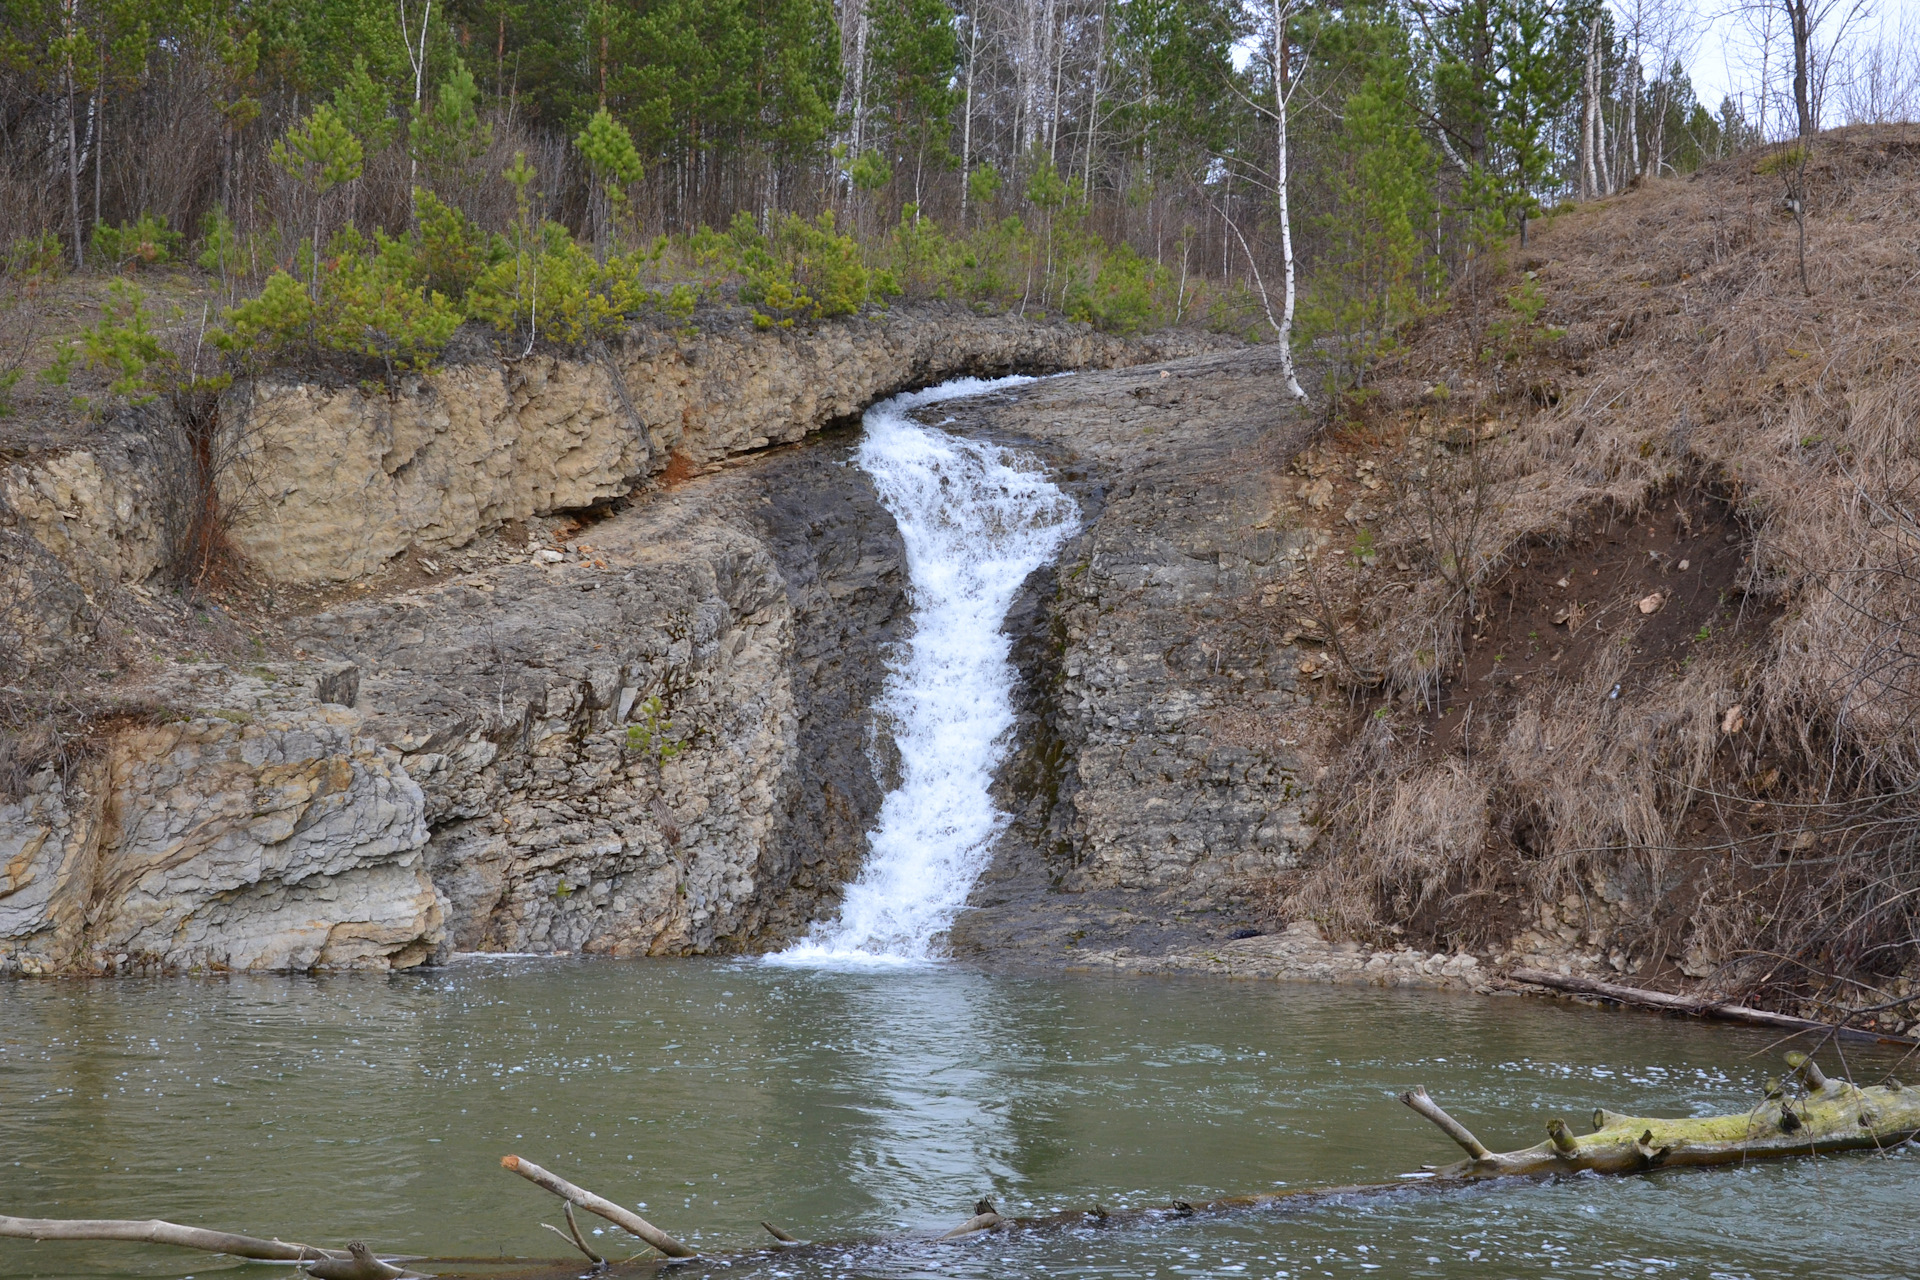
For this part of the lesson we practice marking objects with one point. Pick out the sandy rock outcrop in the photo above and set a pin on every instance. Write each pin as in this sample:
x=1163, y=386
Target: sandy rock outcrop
x=91, y=509
x=340, y=480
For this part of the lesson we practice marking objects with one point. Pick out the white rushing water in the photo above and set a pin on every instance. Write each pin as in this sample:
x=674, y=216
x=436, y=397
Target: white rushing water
x=975, y=522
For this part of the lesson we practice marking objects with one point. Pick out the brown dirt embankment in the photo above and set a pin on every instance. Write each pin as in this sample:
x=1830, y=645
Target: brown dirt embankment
x=1624, y=598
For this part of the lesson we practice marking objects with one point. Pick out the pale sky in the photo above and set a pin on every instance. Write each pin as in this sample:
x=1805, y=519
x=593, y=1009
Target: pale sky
x=1724, y=60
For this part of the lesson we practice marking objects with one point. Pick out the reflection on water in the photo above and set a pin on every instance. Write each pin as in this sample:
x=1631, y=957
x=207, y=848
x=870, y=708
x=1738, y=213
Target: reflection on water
x=845, y=1105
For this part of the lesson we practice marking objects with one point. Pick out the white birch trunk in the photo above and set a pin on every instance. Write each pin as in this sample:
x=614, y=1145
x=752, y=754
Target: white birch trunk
x=1590, y=118
x=1285, y=327
x=419, y=60
x=966, y=128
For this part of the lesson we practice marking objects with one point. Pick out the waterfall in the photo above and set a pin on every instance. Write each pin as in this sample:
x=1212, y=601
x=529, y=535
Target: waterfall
x=975, y=521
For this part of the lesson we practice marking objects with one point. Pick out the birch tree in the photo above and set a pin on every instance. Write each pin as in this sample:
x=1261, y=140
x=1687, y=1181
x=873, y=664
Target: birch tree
x=1282, y=13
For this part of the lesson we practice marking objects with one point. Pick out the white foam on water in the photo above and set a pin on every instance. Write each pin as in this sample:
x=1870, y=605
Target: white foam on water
x=976, y=520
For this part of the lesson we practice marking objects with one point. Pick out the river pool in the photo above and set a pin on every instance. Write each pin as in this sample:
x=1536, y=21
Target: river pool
x=849, y=1105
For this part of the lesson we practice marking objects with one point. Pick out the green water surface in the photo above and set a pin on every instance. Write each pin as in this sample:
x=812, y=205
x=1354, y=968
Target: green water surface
x=844, y=1106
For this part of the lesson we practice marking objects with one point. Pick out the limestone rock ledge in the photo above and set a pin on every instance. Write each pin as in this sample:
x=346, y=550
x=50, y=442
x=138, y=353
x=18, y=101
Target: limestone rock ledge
x=221, y=842
x=336, y=481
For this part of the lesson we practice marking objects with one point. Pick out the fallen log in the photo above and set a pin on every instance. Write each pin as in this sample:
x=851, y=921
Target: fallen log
x=625, y=1219
x=1695, y=1005
x=1833, y=1115
x=154, y=1231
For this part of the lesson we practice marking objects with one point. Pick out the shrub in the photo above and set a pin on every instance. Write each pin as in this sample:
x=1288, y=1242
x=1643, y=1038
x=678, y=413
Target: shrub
x=802, y=270
x=449, y=136
x=370, y=309
x=1233, y=308
x=995, y=264
x=555, y=289
x=320, y=152
x=363, y=105
x=826, y=263
x=145, y=242
x=983, y=184
x=234, y=255
x=613, y=161
x=31, y=260
x=123, y=343
x=280, y=319
x=1123, y=295
x=445, y=252
x=922, y=259
x=362, y=305
x=870, y=171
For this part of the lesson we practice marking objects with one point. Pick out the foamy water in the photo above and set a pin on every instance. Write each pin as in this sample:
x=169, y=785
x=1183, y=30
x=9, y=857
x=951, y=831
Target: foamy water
x=976, y=520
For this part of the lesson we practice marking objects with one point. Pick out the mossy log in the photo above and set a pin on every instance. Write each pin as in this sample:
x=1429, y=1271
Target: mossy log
x=1831, y=1115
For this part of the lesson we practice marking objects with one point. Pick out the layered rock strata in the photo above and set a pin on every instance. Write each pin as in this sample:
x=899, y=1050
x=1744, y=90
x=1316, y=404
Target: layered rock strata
x=1164, y=768
x=658, y=740
x=656, y=743
x=340, y=480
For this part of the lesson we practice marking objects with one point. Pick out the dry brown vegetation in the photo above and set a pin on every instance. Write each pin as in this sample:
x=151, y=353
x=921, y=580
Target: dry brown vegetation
x=1629, y=600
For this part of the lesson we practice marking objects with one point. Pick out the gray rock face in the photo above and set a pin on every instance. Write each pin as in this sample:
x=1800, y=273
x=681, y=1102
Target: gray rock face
x=283, y=841
x=1159, y=773
x=659, y=744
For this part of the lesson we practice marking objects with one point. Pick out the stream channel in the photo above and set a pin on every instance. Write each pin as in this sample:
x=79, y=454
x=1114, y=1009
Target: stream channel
x=855, y=1089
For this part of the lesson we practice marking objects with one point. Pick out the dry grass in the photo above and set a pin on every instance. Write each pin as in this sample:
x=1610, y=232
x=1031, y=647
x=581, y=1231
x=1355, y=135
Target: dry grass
x=1675, y=348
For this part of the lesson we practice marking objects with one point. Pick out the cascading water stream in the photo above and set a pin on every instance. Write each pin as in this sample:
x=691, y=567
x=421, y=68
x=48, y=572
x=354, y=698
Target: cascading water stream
x=975, y=523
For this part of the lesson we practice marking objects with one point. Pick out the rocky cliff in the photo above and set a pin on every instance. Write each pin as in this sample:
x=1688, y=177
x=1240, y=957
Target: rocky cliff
x=574, y=694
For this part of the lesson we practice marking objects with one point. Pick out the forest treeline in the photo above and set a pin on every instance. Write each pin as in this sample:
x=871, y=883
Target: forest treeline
x=367, y=174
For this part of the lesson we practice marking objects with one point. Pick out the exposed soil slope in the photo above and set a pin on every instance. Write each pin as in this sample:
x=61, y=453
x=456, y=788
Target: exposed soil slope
x=1625, y=610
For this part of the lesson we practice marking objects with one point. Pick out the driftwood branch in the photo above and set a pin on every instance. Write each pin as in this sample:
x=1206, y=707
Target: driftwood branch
x=1694, y=1005
x=154, y=1231
x=574, y=1227
x=1417, y=1099
x=359, y=1264
x=573, y=1237
x=625, y=1219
